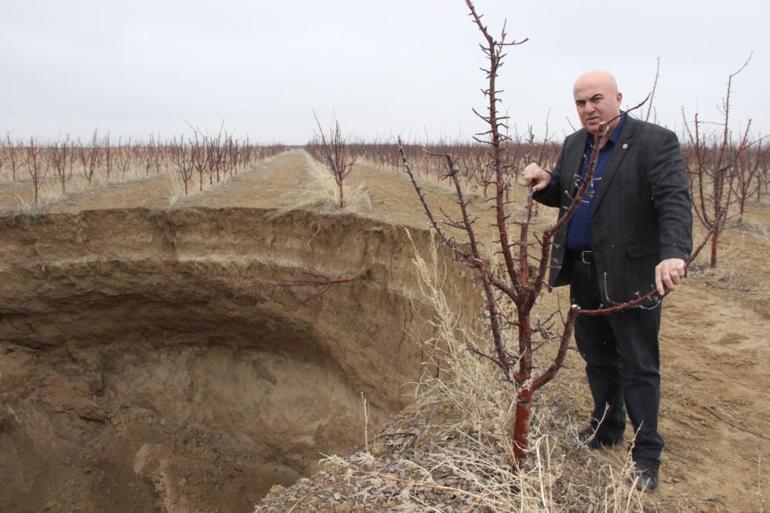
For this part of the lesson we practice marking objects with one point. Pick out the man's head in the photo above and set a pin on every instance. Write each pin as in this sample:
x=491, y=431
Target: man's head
x=597, y=99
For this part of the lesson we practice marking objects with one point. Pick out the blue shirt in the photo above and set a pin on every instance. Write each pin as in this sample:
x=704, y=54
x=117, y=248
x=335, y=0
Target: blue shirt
x=579, y=230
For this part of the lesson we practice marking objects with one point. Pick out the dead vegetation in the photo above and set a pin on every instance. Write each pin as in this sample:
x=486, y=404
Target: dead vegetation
x=38, y=174
x=450, y=450
x=333, y=151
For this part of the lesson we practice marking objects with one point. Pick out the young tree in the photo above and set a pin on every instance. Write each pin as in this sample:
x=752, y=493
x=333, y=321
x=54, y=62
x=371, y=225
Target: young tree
x=123, y=157
x=215, y=157
x=748, y=177
x=183, y=159
x=35, y=166
x=89, y=157
x=147, y=153
x=763, y=176
x=199, y=158
x=713, y=170
x=516, y=282
x=12, y=152
x=108, y=155
x=57, y=155
x=335, y=154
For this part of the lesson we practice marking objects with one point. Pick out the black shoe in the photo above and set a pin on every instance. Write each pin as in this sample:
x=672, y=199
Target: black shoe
x=645, y=475
x=589, y=438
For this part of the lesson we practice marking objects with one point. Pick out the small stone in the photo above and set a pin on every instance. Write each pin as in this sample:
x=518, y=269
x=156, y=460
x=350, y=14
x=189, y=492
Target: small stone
x=379, y=449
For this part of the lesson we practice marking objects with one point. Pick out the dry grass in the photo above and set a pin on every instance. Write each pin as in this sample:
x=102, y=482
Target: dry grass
x=50, y=192
x=450, y=450
x=468, y=410
x=741, y=260
x=177, y=195
x=319, y=192
x=429, y=183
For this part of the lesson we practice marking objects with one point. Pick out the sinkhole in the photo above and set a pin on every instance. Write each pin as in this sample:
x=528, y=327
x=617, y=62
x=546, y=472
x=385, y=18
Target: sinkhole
x=170, y=360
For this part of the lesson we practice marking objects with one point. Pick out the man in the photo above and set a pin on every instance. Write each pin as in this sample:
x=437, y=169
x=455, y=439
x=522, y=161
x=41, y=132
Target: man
x=632, y=232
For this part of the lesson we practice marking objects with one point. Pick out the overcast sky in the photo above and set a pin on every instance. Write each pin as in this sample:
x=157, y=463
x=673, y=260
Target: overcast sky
x=384, y=68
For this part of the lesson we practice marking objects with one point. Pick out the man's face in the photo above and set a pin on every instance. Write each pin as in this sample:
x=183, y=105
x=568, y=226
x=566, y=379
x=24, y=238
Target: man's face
x=597, y=100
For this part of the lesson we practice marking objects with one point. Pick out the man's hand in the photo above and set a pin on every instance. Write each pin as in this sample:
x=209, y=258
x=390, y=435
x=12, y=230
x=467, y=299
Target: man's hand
x=668, y=273
x=536, y=176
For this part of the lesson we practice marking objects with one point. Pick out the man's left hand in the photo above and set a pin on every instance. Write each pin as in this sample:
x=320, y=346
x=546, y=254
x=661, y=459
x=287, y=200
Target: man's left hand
x=668, y=274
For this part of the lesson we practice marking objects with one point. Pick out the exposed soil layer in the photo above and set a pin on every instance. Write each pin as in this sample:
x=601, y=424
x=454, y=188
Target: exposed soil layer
x=165, y=358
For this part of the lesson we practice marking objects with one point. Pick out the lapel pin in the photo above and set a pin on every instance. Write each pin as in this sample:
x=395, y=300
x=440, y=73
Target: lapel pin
x=625, y=146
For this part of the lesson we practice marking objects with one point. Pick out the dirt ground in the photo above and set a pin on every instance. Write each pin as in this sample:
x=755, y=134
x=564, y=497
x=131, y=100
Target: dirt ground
x=715, y=410
x=715, y=357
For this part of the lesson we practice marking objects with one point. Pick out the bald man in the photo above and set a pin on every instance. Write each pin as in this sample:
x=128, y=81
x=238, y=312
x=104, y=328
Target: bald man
x=632, y=233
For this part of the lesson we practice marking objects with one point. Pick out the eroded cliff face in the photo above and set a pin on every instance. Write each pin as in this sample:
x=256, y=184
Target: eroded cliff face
x=166, y=359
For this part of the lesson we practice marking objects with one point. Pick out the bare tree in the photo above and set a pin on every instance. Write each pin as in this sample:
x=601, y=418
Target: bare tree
x=335, y=154
x=145, y=153
x=215, y=157
x=35, y=166
x=107, y=152
x=12, y=152
x=183, y=159
x=653, y=91
x=713, y=169
x=57, y=155
x=748, y=176
x=72, y=158
x=516, y=282
x=89, y=157
x=123, y=157
x=763, y=177
x=200, y=161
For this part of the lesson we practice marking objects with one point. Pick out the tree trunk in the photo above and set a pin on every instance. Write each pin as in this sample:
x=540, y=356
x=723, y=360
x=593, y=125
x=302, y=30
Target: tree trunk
x=521, y=425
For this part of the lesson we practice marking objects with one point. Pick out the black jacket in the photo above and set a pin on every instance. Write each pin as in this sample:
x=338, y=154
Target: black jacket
x=642, y=213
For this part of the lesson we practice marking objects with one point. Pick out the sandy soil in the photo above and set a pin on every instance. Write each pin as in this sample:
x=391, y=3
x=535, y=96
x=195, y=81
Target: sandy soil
x=715, y=413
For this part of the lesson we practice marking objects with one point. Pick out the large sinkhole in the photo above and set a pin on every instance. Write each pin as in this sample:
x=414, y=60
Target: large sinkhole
x=168, y=361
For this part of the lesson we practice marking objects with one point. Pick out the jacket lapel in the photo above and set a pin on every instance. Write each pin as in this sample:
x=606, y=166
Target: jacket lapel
x=573, y=160
x=618, y=154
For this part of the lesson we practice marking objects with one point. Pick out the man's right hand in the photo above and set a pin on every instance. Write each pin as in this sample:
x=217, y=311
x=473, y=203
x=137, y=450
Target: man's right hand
x=536, y=176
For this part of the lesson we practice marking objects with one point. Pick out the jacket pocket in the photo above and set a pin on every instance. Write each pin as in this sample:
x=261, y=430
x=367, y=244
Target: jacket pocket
x=642, y=250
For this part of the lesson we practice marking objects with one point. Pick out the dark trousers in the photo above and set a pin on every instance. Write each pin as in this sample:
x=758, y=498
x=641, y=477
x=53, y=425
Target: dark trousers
x=622, y=365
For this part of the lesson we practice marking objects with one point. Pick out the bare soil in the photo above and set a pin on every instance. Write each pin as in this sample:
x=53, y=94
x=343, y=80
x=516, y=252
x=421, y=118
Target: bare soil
x=153, y=356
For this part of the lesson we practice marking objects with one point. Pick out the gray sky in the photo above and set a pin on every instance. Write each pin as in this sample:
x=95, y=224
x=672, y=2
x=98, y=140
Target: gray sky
x=383, y=68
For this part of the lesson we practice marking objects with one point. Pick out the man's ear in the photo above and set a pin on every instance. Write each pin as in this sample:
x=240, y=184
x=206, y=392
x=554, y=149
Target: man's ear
x=620, y=98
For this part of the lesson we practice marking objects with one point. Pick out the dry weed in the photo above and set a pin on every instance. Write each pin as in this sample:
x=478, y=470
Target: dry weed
x=737, y=271
x=450, y=450
x=428, y=182
x=465, y=413
x=50, y=192
x=320, y=192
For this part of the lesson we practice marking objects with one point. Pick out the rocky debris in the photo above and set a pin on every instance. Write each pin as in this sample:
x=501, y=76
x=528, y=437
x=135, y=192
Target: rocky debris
x=388, y=478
